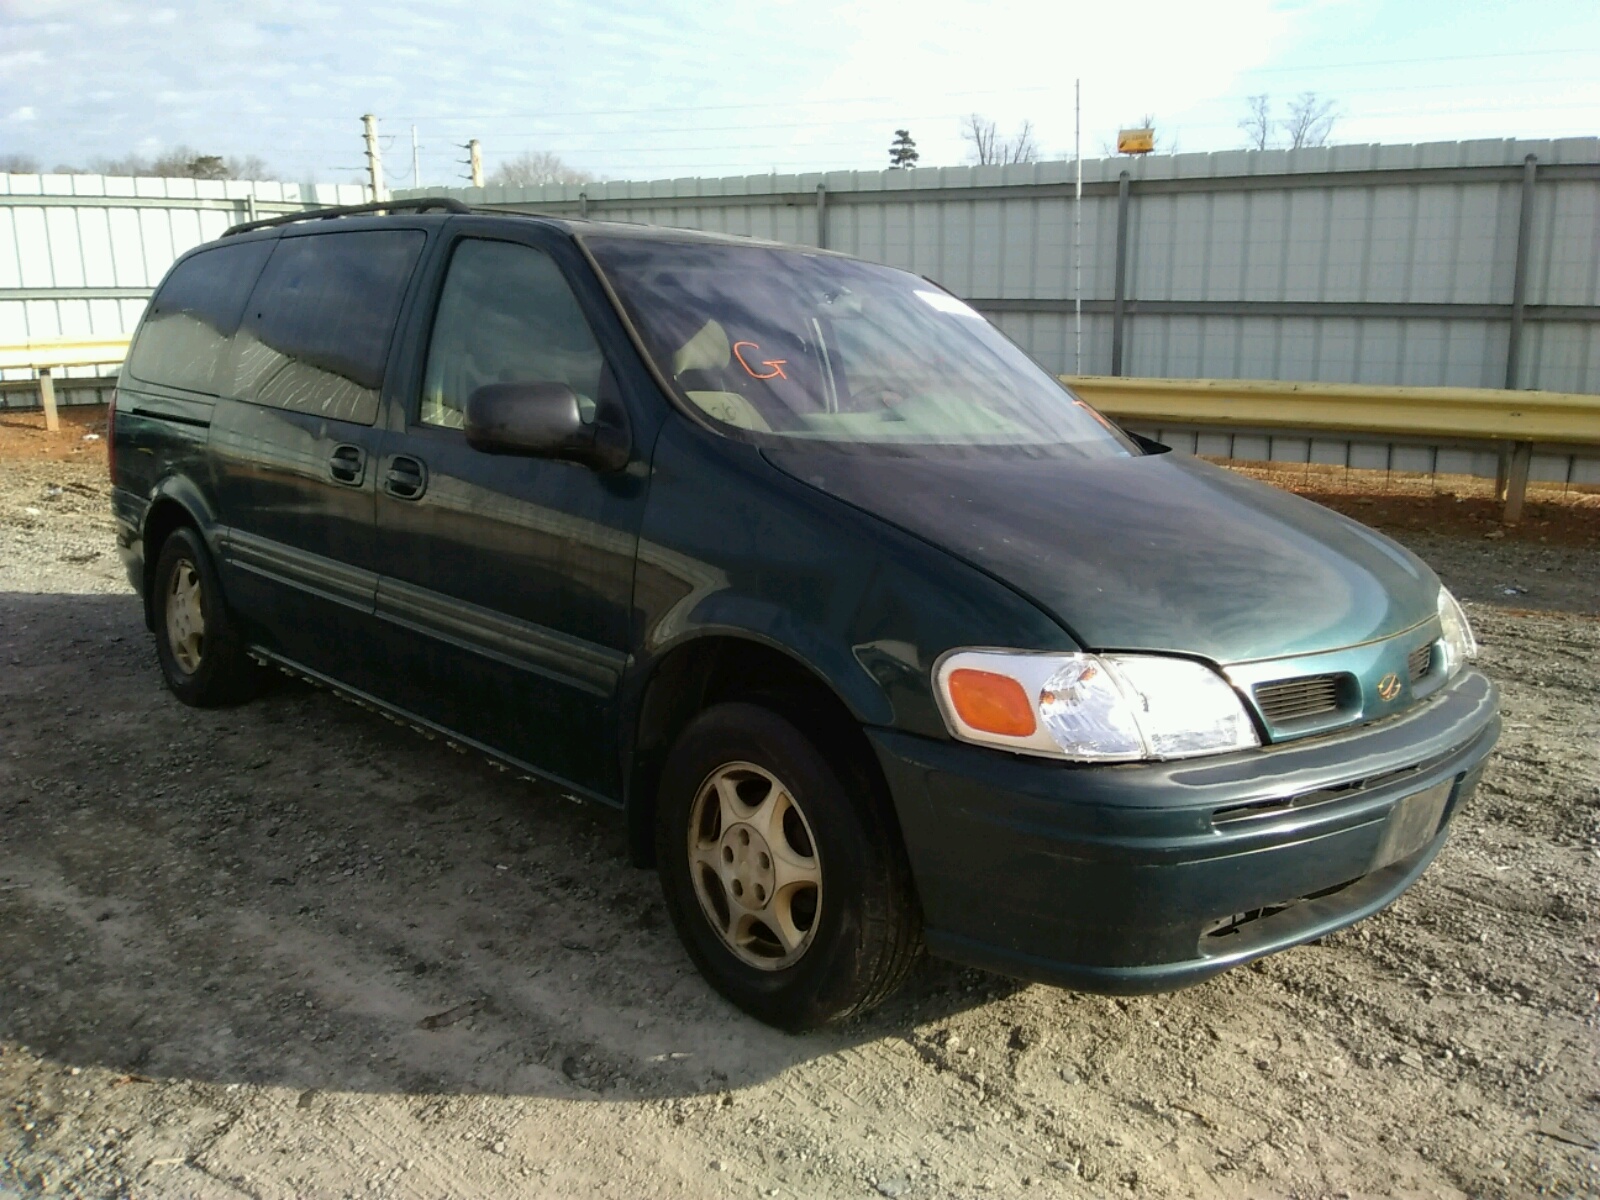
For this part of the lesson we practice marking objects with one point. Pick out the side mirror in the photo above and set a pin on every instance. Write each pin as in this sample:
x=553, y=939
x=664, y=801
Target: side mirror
x=544, y=420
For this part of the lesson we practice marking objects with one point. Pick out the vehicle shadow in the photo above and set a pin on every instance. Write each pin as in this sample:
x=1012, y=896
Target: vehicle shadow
x=297, y=892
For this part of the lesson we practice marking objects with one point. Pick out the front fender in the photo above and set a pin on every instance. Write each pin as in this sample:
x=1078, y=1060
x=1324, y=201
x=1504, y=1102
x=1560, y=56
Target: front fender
x=732, y=544
x=779, y=628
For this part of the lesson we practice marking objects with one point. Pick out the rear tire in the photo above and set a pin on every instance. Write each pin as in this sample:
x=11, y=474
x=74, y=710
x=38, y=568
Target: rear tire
x=198, y=642
x=783, y=873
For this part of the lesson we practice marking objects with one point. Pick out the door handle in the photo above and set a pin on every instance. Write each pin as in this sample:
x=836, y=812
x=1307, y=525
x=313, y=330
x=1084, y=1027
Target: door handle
x=407, y=478
x=348, y=464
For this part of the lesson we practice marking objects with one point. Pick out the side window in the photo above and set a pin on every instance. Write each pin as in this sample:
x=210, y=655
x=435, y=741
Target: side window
x=188, y=325
x=316, y=332
x=505, y=316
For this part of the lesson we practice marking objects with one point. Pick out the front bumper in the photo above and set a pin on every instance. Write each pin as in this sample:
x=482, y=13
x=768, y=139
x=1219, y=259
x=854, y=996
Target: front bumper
x=1151, y=876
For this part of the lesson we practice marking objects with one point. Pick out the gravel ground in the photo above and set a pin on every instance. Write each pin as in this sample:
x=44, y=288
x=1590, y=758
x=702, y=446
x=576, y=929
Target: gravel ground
x=295, y=950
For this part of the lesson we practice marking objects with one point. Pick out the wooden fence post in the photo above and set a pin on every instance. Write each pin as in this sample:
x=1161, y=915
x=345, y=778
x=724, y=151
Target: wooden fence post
x=1517, y=481
x=47, y=398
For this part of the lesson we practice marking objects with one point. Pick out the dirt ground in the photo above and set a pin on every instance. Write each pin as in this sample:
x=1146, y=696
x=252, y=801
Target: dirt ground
x=293, y=950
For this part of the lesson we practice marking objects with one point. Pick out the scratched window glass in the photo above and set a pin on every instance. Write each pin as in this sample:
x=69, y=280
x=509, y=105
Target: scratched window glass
x=786, y=343
x=316, y=332
x=193, y=317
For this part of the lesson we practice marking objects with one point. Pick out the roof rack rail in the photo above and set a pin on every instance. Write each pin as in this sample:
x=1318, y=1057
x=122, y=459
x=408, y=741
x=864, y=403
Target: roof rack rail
x=420, y=204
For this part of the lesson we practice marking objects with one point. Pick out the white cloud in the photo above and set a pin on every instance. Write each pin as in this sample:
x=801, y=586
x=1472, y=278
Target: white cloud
x=25, y=113
x=33, y=10
x=1018, y=62
x=652, y=88
x=18, y=62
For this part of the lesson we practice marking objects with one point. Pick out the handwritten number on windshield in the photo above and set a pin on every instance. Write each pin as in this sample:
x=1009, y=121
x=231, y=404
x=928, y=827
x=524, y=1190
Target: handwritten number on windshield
x=777, y=364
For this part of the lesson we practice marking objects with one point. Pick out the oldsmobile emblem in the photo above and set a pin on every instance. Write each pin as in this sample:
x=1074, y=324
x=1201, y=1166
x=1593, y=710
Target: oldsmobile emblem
x=1389, y=686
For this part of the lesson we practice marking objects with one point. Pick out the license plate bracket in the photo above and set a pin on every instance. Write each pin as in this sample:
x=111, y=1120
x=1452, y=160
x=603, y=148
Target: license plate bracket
x=1412, y=824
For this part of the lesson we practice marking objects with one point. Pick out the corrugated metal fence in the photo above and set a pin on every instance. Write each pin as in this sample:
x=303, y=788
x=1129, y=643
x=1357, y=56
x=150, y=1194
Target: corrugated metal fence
x=1471, y=264
x=79, y=254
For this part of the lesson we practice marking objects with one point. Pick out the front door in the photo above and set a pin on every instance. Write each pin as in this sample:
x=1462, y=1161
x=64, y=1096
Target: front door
x=505, y=582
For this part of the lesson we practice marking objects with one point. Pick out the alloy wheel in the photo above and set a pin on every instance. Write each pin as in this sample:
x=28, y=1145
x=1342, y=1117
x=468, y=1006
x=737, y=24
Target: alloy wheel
x=186, y=619
x=754, y=864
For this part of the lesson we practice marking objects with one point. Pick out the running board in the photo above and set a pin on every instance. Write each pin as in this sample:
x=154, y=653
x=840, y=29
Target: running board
x=427, y=728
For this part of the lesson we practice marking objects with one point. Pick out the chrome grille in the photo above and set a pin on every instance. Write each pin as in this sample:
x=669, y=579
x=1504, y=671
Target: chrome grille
x=1296, y=699
x=1419, y=661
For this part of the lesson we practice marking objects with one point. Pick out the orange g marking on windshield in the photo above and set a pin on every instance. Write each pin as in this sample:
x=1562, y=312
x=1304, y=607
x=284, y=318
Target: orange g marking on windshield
x=777, y=364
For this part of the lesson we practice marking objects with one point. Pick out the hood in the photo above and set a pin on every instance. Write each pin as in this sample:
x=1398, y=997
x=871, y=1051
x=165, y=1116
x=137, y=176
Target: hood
x=1158, y=552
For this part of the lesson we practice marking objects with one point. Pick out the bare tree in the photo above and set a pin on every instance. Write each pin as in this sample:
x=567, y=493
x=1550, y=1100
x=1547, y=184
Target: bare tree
x=981, y=132
x=184, y=163
x=1310, y=121
x=18, y=164
x=251, y=166
x=535, y=167
x=1159, y=143
x=1023, y=148
x=128, y=164
x=180, y=162
x=1257, y=123
x=989, y=148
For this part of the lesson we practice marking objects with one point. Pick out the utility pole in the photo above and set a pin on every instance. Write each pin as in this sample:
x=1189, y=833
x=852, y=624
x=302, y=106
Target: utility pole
x=475, y=161
x=369, y=125
x=416, y=160
x=1077, y=228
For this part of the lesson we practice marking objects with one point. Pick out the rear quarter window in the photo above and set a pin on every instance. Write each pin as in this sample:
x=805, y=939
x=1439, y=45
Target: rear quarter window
x=184, y=337
x=316, y=333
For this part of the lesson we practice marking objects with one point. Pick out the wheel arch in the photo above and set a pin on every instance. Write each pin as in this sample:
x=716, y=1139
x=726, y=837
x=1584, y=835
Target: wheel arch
x=723, y=666
x=176, y=504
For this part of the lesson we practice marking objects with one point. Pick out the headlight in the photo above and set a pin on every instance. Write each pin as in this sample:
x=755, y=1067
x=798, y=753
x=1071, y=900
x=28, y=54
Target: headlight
x=1091, y=707
x=1459, y=644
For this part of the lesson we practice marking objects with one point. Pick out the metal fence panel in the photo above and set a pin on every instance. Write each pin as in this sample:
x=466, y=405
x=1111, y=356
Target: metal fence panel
x=1376, y=264
x=1382, y=264
x=79, y=254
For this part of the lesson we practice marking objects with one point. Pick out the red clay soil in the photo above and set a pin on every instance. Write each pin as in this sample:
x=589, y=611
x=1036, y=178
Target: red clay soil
x=23, y=437
x=1458, y=505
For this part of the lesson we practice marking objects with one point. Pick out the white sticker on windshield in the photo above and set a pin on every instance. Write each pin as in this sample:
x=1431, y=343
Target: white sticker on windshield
x=945, y=302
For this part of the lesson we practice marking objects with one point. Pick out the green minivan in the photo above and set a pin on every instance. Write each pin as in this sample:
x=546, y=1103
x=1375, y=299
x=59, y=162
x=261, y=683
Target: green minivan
x=879, y=636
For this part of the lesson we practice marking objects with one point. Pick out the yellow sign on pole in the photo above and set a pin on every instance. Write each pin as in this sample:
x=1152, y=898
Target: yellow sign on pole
x=1136, y=141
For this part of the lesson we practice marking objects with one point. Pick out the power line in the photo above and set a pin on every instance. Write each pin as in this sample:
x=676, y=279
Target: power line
x=1411, y=62
x=1391, y=62
x=572, y=141
x=586, y=143
x=898, y=115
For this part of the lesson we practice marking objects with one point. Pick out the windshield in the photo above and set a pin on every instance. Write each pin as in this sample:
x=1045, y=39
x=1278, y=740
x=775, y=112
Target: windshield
x=804, y=345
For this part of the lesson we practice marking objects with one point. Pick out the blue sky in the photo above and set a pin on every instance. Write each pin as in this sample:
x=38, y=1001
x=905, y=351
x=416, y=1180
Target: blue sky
x=630, y=89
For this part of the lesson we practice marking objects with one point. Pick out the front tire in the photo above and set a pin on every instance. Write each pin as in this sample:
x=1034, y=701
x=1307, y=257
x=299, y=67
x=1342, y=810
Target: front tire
x=783, y=873
x=198, y=643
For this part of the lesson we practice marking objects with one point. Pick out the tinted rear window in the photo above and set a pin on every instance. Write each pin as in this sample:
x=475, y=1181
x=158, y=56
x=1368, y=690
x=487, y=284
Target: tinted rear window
x=187, y=326
x=316, y=333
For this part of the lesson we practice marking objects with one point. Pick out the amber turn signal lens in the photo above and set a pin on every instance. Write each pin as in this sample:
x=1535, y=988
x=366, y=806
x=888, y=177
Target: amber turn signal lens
x=991, y=703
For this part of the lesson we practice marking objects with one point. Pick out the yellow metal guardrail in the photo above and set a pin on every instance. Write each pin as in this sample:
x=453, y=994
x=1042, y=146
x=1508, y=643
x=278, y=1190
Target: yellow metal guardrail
x=1469, y=414
x=47, y=354
x=50, y=354
x=1513, y=421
